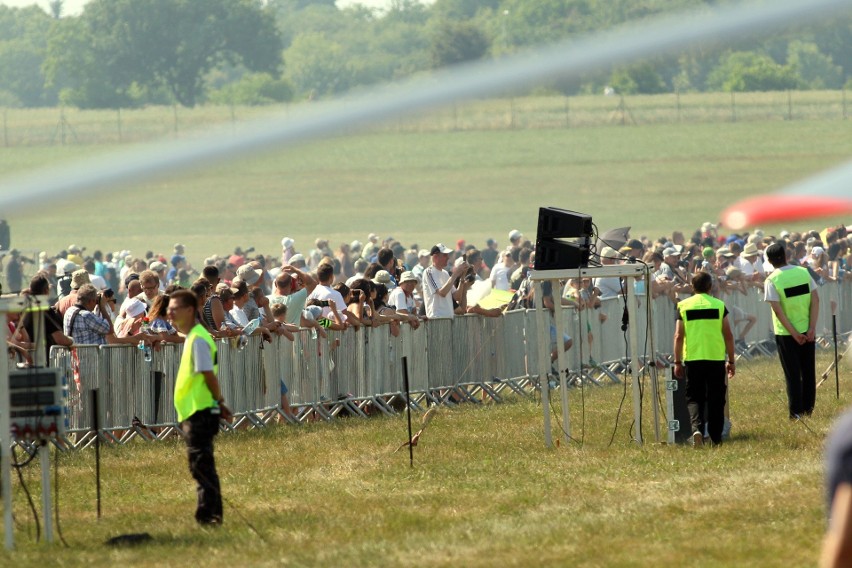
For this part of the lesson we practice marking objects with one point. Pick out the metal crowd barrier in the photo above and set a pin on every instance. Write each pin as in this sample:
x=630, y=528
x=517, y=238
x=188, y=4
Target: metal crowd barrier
x=358, y=373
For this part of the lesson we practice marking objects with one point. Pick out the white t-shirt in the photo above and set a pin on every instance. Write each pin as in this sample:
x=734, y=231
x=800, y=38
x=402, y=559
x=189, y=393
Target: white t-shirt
x=400, y=301
x=746, y=267
x=436, y=305
x=239, y=316
x=500, y=277
x=609, y=286
x=351, y=280
x=328, y=293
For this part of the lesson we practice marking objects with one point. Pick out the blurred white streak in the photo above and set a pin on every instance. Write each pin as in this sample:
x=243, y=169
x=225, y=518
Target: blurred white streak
x=568, y=59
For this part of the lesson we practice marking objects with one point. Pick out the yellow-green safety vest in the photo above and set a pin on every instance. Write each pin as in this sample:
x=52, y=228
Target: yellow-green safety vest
x=191, y=392
x=702, y=317
x=794, y=290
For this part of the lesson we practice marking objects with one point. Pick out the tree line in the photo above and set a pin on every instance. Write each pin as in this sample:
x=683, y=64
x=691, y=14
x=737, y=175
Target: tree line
x=129, y=53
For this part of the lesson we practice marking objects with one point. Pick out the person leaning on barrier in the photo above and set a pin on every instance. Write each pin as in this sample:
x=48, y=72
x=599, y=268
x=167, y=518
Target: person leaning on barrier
x=199, y=404
x=791, y=292
x=86, y=327
x=704, y=351
x=40, y=286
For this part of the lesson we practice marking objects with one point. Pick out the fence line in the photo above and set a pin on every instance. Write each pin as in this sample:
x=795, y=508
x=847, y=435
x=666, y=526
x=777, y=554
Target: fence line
x=69, y=126
x=360, y=372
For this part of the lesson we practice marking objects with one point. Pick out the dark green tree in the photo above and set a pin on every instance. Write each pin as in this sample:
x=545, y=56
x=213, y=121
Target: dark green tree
x=750, y=71
x=24, y=34
x=121, y=45
x=456, y=42
x=641, y=78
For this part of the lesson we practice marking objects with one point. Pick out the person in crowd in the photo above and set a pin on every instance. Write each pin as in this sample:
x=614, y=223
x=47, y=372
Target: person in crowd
x=360, y=267
x=251, y=274
x=704, y=355
x=423, y=260
x=501, y=271
x=279, y=312
x=792, y=293
x=292, y=288
x=609, y=286
x=490, y=253
x=78, y=278
x=135, y=319
x=52, y=331
x=360, y=303
x=385, y=313
x=547, y=302
x=160, y=269
x=159, y=320
x=439, y=291
x=402, y=298
x=97, y=281
x=386, y=260
x=86, y=321
x=213, y=311
x=150, y=287
x=134, y=291
x=199, y=403
x=515, y=238
x=324, y=291
x=521, y=270
x=735, y=283
x=344, y=257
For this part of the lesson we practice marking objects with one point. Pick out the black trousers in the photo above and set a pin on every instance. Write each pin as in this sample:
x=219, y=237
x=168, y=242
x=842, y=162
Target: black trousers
x=200, y=429
x=706, y=393
x=798, y=362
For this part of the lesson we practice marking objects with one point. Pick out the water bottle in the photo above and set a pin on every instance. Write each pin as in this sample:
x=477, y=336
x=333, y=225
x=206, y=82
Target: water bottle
x=146, y=351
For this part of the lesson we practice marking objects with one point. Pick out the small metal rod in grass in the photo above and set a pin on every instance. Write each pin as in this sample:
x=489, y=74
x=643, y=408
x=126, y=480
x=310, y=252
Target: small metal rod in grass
x=834, y=364
x=412, y=440
x=836, y=371
x=408, y=408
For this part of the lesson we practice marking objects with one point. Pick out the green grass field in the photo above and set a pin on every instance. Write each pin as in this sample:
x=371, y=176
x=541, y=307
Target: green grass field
x=437, y=186
x=484, y=491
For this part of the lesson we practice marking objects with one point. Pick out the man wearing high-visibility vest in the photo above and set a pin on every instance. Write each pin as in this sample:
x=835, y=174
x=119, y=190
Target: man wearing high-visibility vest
x=791, y=292
x=704, y=354
x=199, y=403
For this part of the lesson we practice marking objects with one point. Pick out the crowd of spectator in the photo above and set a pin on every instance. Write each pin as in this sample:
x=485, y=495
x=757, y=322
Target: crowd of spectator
x=107, y=298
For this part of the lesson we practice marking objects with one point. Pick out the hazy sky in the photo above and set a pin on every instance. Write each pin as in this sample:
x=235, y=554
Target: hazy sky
x=76, y=6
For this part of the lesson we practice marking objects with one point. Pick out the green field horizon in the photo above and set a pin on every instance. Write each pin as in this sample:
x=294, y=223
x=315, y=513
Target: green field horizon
x=426, y=187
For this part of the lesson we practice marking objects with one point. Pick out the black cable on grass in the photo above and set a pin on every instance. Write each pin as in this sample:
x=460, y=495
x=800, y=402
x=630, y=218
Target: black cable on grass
x=18, y=468
x=561, y=427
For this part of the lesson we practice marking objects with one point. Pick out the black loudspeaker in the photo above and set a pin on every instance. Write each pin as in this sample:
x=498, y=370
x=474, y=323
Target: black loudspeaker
x=557, y=255
x=555, y=223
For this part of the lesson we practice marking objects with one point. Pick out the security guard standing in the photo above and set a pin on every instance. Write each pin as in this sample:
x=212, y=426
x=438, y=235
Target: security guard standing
x=199, y=404
x=704, y=351
x=791, y=292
